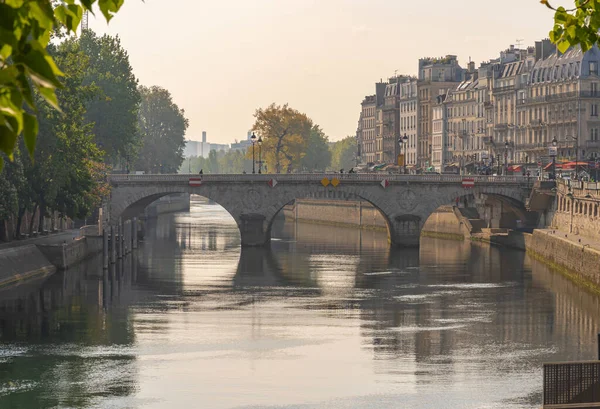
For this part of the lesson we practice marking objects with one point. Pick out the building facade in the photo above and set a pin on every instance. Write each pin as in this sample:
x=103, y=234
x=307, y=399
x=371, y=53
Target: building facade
x=409, y=120
x=435, y=76
x=367, y=142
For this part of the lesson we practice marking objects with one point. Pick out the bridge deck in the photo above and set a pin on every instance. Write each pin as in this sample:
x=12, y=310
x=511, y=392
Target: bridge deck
x=317, y=177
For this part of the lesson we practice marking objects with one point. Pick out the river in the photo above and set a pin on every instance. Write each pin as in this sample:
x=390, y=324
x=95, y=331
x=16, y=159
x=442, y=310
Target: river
x=328, y=318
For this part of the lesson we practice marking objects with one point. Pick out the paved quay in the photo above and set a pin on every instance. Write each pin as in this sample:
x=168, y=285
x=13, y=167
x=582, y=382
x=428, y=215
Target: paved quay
x=52, y=239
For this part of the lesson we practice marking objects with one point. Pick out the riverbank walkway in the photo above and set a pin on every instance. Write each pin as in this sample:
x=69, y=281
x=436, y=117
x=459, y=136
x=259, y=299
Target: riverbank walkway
x=52, y=239
x=575, y=239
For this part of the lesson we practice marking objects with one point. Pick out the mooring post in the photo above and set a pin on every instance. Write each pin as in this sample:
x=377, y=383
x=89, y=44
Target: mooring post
x=113, y=244
x=104, y=248
x=134, y=242
x=119, y=241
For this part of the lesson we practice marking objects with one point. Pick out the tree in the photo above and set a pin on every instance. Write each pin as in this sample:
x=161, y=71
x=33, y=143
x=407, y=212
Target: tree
x=318, y=155
x=25, y=63
x=576, y=26
x=285, y=133
x=231, y=161
x=343, y=153
x=60, y=176
x=114, y=111
x=162, y=126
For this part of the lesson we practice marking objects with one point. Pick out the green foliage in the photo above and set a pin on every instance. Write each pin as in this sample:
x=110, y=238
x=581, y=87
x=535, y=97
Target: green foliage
x=12, y=181
x=318, y=155
x=285, y=133
x=162, y=126
x=25, y=64
x=60, y=173
x=343, y=153
x=576, y=26
x=114, y=110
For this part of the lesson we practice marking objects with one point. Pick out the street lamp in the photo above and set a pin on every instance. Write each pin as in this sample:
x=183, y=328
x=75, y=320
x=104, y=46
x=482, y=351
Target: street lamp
x=505, y=158
x=553, y=154
x=405, y=142
x=400, y=145
x=260, y=154
x=253, y=139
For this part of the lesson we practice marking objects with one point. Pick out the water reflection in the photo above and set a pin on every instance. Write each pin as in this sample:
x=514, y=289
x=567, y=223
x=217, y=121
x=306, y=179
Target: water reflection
x=325, y=318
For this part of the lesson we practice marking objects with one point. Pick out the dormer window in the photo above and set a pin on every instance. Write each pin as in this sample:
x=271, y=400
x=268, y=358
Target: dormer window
x=593, y=67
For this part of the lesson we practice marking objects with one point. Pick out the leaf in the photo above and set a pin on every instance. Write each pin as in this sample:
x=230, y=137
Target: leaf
x=39, y=12
x=41, y=67
x=109, y=7
x=563, y=45
x=50, y=97
x=30, y=131
x=7, y=139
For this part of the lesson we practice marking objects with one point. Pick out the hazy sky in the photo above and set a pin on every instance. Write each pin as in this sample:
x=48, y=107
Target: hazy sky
x=223, y=59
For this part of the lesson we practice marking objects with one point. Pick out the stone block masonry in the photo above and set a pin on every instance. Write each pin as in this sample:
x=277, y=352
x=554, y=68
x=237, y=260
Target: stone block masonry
x=336, y=213
x=23, y=263
x=579, y=262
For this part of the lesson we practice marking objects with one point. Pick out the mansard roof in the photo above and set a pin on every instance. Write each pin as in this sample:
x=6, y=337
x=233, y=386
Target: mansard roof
x=511, y=69
x=573, y=64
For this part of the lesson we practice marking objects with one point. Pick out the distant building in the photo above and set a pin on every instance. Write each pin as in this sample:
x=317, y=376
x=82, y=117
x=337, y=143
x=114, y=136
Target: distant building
x=191, y=149
x=244, y=144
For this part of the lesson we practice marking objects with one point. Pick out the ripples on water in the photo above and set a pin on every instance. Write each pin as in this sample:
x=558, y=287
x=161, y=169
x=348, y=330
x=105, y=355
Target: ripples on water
x=327, y=318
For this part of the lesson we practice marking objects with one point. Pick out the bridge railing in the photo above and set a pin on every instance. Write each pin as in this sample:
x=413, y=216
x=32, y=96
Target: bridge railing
x=317, y=177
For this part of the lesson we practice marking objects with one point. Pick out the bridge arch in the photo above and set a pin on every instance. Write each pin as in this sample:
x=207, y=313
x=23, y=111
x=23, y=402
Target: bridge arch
x=254, y=200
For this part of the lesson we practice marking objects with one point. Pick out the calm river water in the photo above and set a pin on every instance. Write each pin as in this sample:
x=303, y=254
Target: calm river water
x=328, y=318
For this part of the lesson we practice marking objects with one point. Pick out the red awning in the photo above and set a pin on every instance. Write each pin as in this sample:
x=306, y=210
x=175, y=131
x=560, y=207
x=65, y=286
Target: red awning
x=515, y=168
x=549, y=166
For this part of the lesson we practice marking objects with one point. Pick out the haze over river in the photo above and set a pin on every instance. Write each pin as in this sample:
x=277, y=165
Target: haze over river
x=328, y=318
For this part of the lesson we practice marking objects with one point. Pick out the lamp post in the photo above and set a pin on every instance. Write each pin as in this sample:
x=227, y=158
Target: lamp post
x=505, y=158
x=253, y=139
x=400, y=141
x=553, y=154
x=260, y=154
x=405, y=144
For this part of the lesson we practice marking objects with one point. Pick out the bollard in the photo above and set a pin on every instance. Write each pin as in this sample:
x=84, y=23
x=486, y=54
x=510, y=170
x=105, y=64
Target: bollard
x=104, y=249
x=122, y=239
x=599, y=346
x=134, y=240
x=113, y=244
x=119, y=240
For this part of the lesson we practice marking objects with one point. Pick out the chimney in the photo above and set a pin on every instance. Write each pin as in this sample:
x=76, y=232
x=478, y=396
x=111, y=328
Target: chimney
x=204, y=136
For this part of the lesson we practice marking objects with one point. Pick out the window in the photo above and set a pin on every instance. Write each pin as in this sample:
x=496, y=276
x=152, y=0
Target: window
x=593, y=68
x=594, y=134
x=594, y=110
x=594, y=88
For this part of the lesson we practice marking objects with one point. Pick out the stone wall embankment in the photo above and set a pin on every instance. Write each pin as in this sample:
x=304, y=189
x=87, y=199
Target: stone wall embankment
x=23, y=263
x=336, y=213
x=445, y=223
x=579, y=262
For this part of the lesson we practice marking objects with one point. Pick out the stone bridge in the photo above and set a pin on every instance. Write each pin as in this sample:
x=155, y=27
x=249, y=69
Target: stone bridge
x=405, y=201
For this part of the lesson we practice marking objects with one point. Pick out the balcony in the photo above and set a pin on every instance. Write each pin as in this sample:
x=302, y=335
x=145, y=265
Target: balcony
x=503, y=89
x=592, y=144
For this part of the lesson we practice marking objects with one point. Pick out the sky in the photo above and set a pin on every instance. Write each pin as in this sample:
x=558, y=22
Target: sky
x=221, y=60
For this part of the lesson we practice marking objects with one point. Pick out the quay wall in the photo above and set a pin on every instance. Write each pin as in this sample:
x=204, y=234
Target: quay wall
x=168, y=204
x=23, y=263
x=445, y=224
x=336, y=213
x=579, y=262
x=68, y=254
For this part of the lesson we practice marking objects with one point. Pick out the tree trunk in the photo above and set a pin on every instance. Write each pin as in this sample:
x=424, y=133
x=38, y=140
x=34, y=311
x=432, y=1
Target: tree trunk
x=17, y=232
x=41, y=219
x=31, y=222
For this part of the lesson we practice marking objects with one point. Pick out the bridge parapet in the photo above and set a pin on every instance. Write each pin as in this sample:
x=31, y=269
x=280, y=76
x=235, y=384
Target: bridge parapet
x=317, y=177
